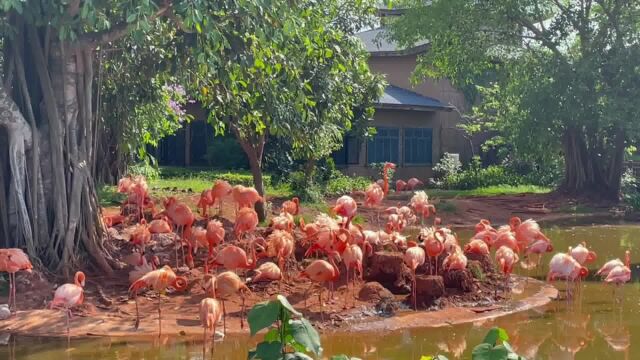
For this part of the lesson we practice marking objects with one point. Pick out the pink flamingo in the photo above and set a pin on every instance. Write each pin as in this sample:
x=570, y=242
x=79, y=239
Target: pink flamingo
x=421, y=206
x=291, y=206
x=401, y=185
x=414, y=183
x=246, y=222
x=346, y=207
x=11, y=261
x=321, y=271
x=414, y=257
x=352, y=257
x=267, y=272
x=68, y=296
x=477, y=247
x=433, y=245
x=245, y=197
x=233, y=258
x=583, y=255
x=183, y=218
x=210, y=315
x=506, y=258
x=219, y=191
x=215, y=236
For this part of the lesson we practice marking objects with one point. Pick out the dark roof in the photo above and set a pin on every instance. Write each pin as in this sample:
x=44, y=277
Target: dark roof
x=378, y=44
x=398, y=98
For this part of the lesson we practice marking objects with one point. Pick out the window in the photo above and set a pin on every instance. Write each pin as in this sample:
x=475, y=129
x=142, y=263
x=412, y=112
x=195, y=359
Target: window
x=417, y=146
x=349, y=154
x=384, y=146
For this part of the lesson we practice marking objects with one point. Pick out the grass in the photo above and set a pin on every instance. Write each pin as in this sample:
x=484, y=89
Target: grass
x=576, y=209
x=447, y=206
x=489, y=191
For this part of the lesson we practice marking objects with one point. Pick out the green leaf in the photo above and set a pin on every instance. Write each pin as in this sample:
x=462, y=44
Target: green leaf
x=488, y=352
x=285, y=303
x=305, y=334
x=267, y=351
x=263, y=315
x=494, y=335
x=132, y=17
x=198, y=27
x=272, y=335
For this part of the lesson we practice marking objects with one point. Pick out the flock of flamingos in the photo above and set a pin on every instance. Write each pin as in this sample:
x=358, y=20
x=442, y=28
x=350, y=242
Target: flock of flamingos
x=334, y=237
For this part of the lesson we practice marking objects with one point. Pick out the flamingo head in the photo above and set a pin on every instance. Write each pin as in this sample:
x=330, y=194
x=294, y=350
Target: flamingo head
x=411, y=243
x=437, y=220
x=80, y=278
x=549, y=247
x=169, y=201
x=583, y=272
x=335, y=256
x=591, y=256
x=389, y=165
x=514, y=222
x=155, y=261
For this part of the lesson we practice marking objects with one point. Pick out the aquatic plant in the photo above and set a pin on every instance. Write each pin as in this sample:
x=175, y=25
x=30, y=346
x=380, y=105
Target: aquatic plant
x=489, y=349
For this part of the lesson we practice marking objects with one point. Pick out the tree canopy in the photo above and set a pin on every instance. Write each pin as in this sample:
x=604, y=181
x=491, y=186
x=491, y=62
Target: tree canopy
x=566, y=71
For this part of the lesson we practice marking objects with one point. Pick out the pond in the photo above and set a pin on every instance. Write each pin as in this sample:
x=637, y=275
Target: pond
x=592, y=326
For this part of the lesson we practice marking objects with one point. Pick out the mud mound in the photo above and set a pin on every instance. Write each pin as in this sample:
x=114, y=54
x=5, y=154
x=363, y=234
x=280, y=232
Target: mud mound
x=428, y=289
x=484, y=260
x=389, y=270
x=373, y=291
x=459, y=279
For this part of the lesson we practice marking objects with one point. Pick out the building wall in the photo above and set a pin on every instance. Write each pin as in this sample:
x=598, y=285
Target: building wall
x=398, y=71
x=402, y=119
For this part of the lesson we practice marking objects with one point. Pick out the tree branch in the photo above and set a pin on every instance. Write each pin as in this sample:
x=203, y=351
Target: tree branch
x=117, y=31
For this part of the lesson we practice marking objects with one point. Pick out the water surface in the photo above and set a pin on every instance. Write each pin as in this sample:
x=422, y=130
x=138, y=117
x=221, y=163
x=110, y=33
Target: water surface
x=593, y=326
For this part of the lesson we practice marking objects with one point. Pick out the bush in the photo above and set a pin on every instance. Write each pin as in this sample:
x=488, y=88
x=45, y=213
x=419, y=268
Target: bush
x=235, y=178
x=340, y=184
x=226, y=153
x=630, y=190
x=475, y=176
x=449, y=165
x=145, y=169
x=304, y=190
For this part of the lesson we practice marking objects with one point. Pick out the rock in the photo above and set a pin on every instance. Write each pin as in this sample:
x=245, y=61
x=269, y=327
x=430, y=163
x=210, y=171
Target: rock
x=389, y=270
x=373, y=291
x=459, y=279
x=484, y=260
x=429, y=288
x=5, y=313
x=386, y=307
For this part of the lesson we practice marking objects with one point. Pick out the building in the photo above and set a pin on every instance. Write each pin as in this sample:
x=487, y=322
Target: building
x=415, y=124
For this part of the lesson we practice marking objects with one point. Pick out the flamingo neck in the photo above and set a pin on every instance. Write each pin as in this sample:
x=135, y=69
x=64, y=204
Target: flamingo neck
x=336, y=271
x=385, y=181
x=627, y=260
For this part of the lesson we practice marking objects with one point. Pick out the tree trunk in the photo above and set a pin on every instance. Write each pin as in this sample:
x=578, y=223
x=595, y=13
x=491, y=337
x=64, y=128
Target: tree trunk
x=584, y=174
x=53, y=208
x=309, y=169
x=256, y=172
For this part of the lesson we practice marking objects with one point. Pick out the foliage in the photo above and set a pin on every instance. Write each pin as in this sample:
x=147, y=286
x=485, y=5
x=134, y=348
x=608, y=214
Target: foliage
x=379, y=167
x=289, y=334
x=226, y=153
x=340, y=184
x=145, y=169
x=553, y=77
x=448, y=165
x=306, y=192
x=490, y=191
x=490, y=349
x=631, y=190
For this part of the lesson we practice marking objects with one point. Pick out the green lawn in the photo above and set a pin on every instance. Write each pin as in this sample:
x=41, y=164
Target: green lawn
x=489, y=191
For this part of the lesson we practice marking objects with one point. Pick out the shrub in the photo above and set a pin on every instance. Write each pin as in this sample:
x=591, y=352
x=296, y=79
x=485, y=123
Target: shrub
x=145, y=169
x=630, y=190
x=449, y=165
x=340, y=184
x=475, y=176
x=234, y=178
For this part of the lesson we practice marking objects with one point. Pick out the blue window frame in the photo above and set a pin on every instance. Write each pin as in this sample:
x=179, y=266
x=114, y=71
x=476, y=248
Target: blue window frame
x=384, y=146
x=417, y=146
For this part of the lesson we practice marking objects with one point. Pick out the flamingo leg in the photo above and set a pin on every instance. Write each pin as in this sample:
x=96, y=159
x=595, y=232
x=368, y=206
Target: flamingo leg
x=415, y=291
x=224, y=324
x=346, y=296
x=137, y=312
x=213, y=339
x=204, y=341
x=242, y=314
x=67, y=315
x=159, y=315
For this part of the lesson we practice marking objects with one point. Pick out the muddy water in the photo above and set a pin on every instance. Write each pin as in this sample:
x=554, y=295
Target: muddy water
x=593, y=326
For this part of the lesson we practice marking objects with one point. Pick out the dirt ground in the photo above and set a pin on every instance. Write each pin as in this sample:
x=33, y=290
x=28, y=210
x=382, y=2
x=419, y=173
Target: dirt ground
x=109, y=310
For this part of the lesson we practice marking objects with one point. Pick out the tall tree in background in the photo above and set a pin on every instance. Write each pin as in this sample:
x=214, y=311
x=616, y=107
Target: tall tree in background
x=565, y=71
x=297, y=75
x=48, y=125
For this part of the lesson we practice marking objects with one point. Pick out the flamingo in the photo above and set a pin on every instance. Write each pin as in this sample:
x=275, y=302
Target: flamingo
x=219, y=191
x=143, y=268
x=233, y=258
x=421, y=206
x=160, y=226
x=245, y=197
x=228, y=284
x=385, y=176
x=478, y=247
x=68, y=296
x=414, y=257
x=507, y=258
x=455, y=261
x=246, y=221
x=321, y=271
x=484, y=225
x=141, y=235
x=158, y=280
x=206, y=200
x=198, y=239
x=346, y=207
x=526, y=232
x=268, y=271
x=292, y=206
x=395, y=222
x=373, y=197
x=11, y=261
x=413, y=183
x=611, y=264
x=401, y=185
x=180, y=215
x=210, y=315
x=506, y=237
x=284, y=221
x=583, y=255
x=564, y=266
x=352, y=257
x=432, y=244
x=280, y=244
x=215, y=236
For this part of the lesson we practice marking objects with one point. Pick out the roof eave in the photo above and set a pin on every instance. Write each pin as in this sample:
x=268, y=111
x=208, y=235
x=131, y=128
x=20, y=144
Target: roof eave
x=413, y=107
x=410, y=51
